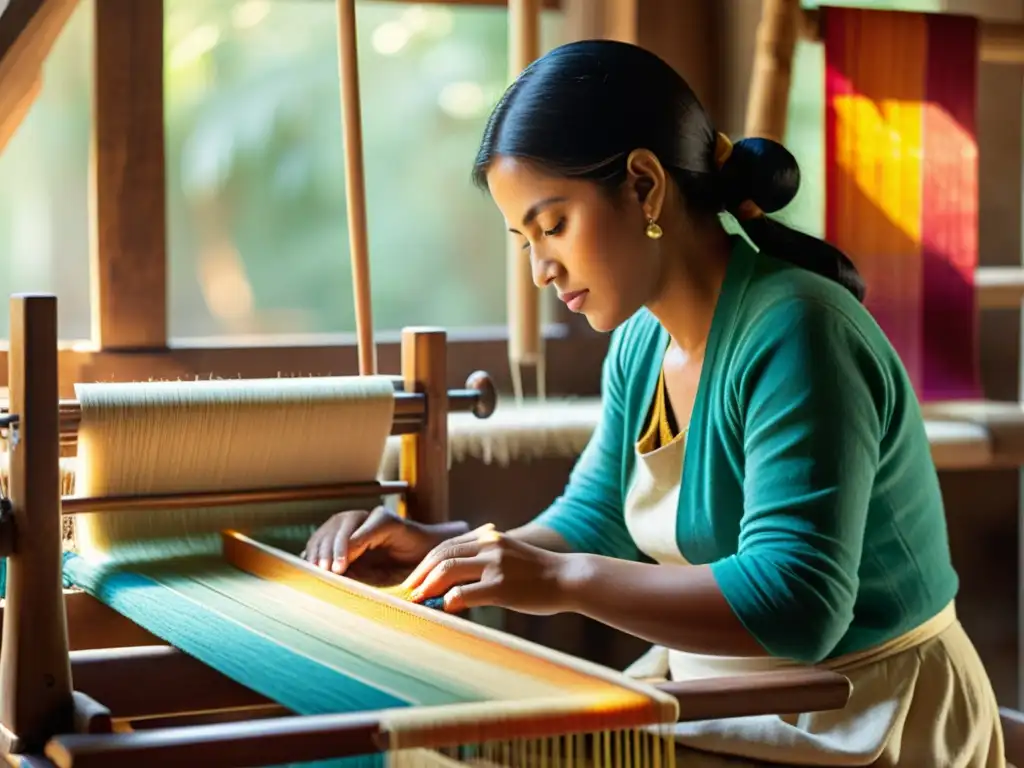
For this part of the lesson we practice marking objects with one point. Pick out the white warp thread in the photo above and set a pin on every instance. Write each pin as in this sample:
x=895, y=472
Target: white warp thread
x=225, y=435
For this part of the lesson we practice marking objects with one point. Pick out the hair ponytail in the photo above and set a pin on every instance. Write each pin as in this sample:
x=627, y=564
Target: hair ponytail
x=761, y=176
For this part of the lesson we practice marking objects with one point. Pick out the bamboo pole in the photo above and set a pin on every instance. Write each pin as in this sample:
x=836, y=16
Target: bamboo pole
x=525, y=340
x=355, y=185
x=768, y=102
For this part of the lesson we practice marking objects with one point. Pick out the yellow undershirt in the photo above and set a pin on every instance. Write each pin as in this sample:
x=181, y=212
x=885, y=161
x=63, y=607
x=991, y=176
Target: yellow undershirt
x=659, y=430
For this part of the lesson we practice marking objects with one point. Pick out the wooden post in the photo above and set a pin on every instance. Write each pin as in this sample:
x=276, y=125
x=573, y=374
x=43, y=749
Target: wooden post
x=424, y=455
x=35, y=671
x=355, y=185
x=525, y=340
x=129, y=199
x=781, y=23
x=607, y=19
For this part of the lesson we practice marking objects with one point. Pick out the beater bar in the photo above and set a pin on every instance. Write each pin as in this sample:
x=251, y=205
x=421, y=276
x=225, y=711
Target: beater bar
x=269, y=741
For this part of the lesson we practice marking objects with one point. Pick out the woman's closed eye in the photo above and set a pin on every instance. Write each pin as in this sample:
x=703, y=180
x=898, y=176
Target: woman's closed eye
x=555, y=230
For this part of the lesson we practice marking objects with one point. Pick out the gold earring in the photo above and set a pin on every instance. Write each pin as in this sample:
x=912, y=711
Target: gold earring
x=653, y=230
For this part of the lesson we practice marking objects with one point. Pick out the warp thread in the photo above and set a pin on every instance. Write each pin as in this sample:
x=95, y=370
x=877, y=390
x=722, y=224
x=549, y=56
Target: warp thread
x=65, y=578
x=437, y=603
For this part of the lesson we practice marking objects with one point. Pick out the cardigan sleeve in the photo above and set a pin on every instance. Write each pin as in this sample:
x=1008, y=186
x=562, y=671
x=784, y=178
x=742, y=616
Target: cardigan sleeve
x=589, y=514
x=809, y=394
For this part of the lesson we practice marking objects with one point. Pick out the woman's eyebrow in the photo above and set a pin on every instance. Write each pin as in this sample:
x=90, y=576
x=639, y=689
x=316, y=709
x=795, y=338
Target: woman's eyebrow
x=534, y=210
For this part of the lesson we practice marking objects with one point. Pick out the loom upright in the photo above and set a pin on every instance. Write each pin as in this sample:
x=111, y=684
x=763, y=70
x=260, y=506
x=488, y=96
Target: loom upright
x=35, y=672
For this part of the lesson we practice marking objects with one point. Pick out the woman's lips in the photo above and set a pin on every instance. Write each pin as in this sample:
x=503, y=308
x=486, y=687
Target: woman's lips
x=574, y=299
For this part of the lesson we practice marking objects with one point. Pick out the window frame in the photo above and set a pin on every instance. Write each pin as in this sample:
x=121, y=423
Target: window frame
x=129, y=254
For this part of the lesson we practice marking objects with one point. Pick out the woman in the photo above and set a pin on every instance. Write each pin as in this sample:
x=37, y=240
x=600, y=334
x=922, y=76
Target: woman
x=805, y=525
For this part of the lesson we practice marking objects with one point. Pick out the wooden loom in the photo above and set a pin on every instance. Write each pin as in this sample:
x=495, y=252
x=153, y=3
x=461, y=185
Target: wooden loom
x=81, y=685
x=50, y=696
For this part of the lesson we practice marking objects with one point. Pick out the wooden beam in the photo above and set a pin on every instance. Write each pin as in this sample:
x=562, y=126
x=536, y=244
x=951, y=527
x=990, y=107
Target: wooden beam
x=601, y=19
x=982, y=435
x=155, y=681
x=999, y=287
x=129, y=217
x=92, y=625
x=574, y=360
x=685, y=33
x=775, y=46
x=1001, y=424
x=548, y=5
x=321, y=737
x=1001, y=41
x=22, y=100
x=987, y=10
x=28, y=31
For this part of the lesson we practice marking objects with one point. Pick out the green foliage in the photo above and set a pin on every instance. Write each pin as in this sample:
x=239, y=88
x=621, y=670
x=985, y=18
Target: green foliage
x=258, y=235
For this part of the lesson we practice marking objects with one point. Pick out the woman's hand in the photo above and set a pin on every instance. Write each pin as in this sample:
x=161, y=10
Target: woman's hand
x=484, y=567
x=398, y=543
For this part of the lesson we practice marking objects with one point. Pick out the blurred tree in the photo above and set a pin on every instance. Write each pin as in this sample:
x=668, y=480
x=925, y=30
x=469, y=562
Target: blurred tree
x=258, y=239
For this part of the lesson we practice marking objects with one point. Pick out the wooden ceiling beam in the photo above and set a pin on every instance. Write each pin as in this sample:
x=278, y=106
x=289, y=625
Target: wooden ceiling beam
x=1001, y=42
x=28, y=30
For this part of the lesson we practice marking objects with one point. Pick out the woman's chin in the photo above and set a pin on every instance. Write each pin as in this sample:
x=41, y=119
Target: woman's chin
x=603, y=322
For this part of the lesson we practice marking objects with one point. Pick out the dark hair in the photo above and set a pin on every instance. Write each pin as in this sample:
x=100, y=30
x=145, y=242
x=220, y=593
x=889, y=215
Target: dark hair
x=580, y=110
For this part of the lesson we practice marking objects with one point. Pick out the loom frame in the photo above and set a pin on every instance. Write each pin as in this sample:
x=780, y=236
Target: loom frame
x=35, y=673
x=50, y=696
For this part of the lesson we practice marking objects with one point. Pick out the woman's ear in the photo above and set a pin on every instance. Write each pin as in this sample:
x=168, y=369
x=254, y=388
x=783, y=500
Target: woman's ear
x=646, y=182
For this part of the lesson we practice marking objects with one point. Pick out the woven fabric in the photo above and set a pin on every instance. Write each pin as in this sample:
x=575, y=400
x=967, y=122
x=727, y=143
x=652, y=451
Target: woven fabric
x=902, y=182
x=436, y=682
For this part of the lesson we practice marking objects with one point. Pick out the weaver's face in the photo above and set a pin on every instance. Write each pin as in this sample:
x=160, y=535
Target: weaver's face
x=591, y=248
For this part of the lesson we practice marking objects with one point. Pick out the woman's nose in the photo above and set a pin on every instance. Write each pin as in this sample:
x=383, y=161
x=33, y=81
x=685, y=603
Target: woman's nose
x=545, y=271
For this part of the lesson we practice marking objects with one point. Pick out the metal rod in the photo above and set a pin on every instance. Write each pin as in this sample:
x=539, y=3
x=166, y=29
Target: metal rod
x=77, y=505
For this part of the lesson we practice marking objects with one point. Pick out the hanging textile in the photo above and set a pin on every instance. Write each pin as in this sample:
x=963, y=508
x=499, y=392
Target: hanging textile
x=901, y=158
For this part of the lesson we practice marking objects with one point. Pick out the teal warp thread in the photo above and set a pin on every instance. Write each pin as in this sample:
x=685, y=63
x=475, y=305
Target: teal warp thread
x=65, y=578
x=259, y=663
x=363, y=761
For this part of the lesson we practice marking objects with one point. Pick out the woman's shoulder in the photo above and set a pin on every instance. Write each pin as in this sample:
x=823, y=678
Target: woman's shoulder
x=781, y=299
x=793, y=328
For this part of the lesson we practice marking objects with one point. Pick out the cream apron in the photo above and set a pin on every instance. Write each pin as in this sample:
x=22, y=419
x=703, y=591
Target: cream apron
x=922, y=700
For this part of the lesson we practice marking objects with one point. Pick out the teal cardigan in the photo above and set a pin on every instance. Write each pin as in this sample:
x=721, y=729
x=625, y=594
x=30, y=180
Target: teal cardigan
x=808, y=484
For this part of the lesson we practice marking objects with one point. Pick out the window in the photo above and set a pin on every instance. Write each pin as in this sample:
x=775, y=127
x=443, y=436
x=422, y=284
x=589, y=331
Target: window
x=44, y=186
x=257, y=220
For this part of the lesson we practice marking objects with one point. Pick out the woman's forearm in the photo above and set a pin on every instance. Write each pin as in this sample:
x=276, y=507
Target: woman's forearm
x=680, y=607
x=541, y=537
x=534, y=535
